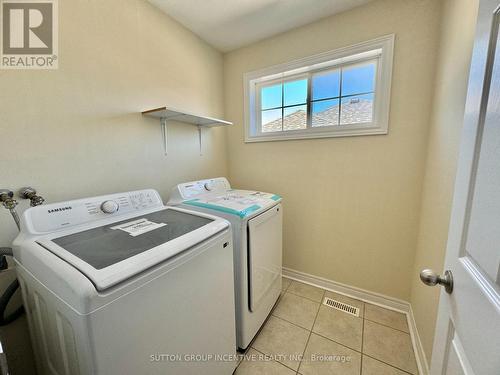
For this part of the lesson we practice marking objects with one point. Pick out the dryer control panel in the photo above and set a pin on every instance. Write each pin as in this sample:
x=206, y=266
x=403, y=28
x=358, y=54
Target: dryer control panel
x=194, y=189
x=51, y=217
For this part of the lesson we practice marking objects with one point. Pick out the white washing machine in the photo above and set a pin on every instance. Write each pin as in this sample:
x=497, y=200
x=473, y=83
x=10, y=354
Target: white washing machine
x=256, y=220
x=121, y=284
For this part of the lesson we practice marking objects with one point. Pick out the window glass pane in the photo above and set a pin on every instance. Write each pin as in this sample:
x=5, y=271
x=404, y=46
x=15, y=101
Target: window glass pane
x=295, y=117
x=358, y=79
x=356, y=109
x=325, y=113
x=295, y=92
x=271, y=120
x=326, y=85
x=271, y=96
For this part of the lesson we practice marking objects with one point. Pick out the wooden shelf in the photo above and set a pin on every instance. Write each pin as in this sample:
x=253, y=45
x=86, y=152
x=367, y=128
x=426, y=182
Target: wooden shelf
x=188, y=118
x=166, y=114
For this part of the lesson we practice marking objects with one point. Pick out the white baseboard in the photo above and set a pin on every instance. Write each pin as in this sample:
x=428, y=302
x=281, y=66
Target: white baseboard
x=423, y=365
x=373, y=298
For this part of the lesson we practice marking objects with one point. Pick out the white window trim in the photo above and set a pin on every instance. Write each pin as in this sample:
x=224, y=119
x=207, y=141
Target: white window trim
x=366, y=50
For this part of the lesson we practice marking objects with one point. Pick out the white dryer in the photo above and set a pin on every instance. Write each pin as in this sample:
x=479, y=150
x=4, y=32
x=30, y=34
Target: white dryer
x=256, y=221
x=121, y=284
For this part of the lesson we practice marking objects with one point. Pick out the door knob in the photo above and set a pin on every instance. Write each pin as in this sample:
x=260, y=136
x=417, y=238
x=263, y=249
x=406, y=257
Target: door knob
x=431, y=278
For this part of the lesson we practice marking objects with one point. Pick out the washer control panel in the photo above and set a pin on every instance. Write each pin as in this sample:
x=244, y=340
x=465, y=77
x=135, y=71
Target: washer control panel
x=51, y=217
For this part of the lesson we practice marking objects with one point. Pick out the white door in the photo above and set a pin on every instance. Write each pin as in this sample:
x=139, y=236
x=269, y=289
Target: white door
x=467, y=337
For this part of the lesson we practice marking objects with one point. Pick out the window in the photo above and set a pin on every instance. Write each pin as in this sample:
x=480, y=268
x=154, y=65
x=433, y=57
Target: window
x=340, y=93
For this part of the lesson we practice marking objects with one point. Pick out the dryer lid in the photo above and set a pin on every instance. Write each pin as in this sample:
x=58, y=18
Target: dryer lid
x=242, y=203
x=111, y=253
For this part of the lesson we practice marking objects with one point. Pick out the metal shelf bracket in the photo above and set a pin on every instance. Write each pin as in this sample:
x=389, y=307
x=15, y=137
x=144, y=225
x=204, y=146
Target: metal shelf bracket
x=163, y=125
x=199, y=139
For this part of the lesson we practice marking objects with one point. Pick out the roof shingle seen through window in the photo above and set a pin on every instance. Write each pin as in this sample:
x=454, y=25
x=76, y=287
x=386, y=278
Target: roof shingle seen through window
x=353, y=112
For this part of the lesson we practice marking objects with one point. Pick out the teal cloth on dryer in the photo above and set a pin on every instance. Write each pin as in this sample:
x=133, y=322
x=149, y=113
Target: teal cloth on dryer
x=247, y=211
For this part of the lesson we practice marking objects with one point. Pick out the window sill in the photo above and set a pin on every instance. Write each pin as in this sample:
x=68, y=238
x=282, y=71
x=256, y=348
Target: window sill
x=296, y=135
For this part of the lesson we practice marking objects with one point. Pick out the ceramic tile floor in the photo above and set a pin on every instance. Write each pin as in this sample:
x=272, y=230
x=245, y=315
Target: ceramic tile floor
x=302, y=336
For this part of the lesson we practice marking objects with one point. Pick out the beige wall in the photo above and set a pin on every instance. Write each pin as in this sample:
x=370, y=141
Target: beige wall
x=351, y=204
x=77, y=131
x=457, y=33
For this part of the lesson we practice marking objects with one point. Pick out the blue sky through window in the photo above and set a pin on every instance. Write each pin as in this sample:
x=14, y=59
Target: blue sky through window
x=326, y=85
x=358, y=79
x=271, y=96
x=295, y=92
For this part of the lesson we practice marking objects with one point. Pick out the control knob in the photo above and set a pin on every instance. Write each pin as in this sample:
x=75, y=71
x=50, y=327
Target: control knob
x=208, y=186
x=109, y=207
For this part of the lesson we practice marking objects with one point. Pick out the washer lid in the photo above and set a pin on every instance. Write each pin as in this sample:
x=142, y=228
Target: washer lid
x=242, y=203
x=114, y=252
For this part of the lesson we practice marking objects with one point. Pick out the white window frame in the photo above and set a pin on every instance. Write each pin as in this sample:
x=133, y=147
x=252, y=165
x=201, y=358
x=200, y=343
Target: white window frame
x=380, y=49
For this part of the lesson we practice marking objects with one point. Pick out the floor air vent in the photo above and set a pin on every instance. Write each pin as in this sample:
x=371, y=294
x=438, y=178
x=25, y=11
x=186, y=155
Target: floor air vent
x=341, y=306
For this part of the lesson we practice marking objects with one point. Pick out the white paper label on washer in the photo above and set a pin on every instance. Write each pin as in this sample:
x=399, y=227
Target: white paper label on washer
x=138, y=227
